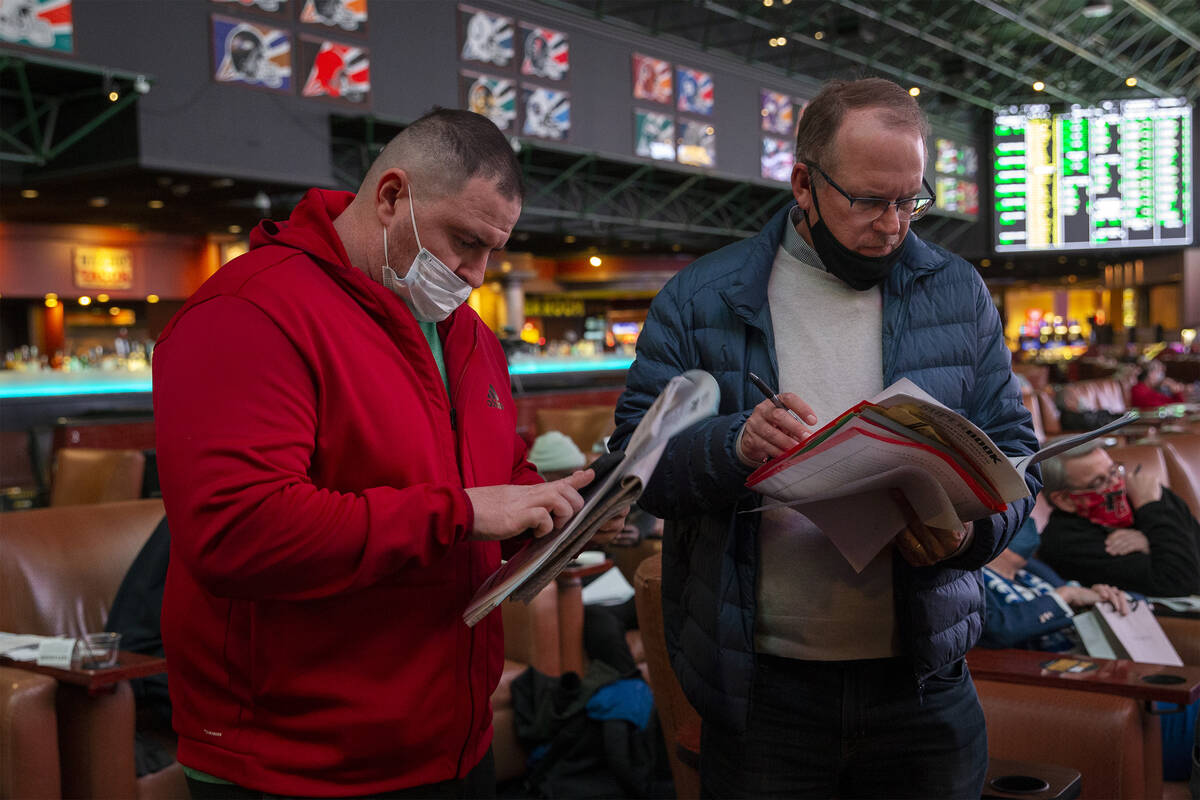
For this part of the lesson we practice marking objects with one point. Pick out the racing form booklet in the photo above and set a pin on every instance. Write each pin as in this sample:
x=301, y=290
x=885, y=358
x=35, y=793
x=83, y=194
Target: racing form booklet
x=620, y=477
x=949, y=470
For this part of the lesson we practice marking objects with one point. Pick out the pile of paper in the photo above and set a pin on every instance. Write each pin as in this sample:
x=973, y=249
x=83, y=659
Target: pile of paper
x=948, y=469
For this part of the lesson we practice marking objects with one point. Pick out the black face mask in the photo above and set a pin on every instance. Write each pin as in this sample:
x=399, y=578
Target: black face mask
x=856, y=270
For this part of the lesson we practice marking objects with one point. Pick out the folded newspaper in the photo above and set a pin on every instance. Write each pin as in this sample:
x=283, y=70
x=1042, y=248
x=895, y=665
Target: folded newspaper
x=949, y=470
x=686, y=399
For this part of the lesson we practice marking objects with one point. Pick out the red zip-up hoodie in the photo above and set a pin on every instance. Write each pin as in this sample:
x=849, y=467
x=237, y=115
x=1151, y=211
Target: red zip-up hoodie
x=313, y=470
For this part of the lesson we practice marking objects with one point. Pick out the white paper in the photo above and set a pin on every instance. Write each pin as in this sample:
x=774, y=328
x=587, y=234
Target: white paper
x=1141, y=635
x=860, y=529
x=610, y=589
x=1186, y=603
x=10, y=643
x=1094, y=635
x=55, y=653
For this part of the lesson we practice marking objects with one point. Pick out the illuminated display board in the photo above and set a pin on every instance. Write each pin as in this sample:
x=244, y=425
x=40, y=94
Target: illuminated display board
x=1114, y=175
x=954, y=178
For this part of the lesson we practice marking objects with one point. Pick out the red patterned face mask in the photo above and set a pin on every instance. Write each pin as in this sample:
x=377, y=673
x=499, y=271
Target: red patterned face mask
x=1109, y=508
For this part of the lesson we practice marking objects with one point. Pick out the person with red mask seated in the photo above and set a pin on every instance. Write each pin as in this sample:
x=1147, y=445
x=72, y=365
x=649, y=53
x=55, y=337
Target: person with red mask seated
x=1118, y=527
x=1154, y=388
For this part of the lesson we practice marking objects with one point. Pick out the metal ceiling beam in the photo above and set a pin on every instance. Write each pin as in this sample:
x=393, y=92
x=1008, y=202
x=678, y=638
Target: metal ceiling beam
x=723, y=201
x=850, y=55
x=673, y=195
x=1107, y=65
x=1166, y=23
x=950, y=47
x=562, y=177
x=632, y=179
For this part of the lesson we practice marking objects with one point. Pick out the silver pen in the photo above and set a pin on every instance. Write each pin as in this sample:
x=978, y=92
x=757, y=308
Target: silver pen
x=770, y=395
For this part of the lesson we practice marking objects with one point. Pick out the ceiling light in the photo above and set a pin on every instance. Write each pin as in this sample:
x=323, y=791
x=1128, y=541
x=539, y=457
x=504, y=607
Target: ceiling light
x=1097, y=8
x=569, y=239
x=819, y=35
x=914, y=91
x=235, y=229
x=155, y=203
x=1131, y=81
x=141, y=85
x=768, y=3
x=51, y=302
x=595, y=261
x=51, y=295
x=985, y=262
x=675, y=248
x=98, y=202
x=221, y=183
x=29, y=194
x=113, y=311
x=151, y=298
x=113, y=96
x=102, y=298
x=85, y=301
x=1038, y=86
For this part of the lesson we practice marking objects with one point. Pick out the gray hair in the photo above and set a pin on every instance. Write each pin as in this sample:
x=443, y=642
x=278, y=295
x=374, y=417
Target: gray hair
x=1054, y=470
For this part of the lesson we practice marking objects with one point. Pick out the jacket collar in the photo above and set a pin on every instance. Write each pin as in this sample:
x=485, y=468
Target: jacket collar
x=747, y=294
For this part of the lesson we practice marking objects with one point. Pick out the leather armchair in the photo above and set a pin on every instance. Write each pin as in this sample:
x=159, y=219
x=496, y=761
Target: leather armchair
x=87, y=475
x=60, y=569
x=28, y=736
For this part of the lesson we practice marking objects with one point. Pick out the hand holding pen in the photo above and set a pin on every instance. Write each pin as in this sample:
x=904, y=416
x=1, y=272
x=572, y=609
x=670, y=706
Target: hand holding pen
x=775, y=425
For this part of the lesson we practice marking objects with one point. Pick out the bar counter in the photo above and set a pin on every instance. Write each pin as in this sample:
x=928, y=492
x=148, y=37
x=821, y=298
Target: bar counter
x=38, y=398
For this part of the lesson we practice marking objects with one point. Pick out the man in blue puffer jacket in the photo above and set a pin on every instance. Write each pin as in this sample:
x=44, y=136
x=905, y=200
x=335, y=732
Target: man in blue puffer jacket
x=812, y=679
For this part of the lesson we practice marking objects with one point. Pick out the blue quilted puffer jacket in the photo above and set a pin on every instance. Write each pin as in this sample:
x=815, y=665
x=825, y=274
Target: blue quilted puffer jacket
x=940, y=330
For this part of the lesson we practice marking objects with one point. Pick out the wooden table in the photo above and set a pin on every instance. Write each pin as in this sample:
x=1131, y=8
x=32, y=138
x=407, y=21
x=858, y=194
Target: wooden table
x=129, y=665
x=1146, y=682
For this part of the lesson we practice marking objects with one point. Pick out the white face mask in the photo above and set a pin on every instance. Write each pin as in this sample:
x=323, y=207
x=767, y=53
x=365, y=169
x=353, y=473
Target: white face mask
x=431, y=289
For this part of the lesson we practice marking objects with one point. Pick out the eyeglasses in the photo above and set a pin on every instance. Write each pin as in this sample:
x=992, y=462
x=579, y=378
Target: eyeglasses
x=869, y=209
x=1114, y=473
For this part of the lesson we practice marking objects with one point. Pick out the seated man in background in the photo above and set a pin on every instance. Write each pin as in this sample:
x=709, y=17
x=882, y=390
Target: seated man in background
x=1029, y=606
x=1154, y=388
x=1117, y=528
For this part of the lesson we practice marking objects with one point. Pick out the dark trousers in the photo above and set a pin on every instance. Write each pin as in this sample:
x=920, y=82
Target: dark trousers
x=850, y=729
x=479, y=783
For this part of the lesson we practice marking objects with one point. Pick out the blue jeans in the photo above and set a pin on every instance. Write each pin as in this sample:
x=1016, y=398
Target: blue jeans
x=850, y=729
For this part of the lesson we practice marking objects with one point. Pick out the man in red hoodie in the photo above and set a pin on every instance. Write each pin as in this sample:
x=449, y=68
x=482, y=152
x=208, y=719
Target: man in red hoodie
x=339, y=461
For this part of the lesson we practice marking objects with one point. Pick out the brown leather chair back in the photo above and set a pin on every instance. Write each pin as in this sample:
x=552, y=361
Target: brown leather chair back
x=86, y=475
x=680, y=722
x=60, y=568
x=1183, y=467
x=1051, y=417
x=1030, y=401
x=1114, y=745
x=585, y=425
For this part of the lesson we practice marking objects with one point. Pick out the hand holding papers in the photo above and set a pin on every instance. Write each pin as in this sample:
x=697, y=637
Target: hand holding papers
x=686, y=399
x=949, y=470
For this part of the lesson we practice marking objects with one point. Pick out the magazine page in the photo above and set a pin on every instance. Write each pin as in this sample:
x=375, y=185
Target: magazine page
x=685, y=400
x=862, y=451
x=860, y=528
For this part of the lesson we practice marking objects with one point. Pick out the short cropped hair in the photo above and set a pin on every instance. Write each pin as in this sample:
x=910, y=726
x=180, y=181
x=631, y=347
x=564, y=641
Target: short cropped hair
x=1054, y=470
x=447, y=147
x=823, y=116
